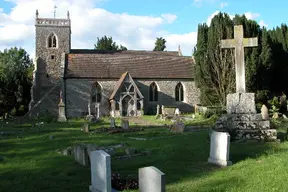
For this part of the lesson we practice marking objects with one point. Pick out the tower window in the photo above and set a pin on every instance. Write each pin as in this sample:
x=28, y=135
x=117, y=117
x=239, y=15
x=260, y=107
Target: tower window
x=52, y=56
x=52, y=41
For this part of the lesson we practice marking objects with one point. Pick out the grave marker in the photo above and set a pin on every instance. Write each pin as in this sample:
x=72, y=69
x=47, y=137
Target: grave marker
x=100, y=171
x=219, y=148
x=151, y=179
x=239, y=43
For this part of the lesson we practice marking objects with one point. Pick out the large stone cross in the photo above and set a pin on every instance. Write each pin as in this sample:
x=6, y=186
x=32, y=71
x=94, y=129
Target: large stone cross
x=239, y=43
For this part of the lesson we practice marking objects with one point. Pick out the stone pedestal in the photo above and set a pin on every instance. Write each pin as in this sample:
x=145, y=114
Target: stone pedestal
x=241, y=103
x=242, y=121
x=61, y=115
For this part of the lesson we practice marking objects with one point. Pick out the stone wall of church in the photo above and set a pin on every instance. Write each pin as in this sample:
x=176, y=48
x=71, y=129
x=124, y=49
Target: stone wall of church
x=78, y=95
x=166, y=95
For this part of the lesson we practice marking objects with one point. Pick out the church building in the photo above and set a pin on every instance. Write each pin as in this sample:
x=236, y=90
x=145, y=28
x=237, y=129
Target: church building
x=103, y=83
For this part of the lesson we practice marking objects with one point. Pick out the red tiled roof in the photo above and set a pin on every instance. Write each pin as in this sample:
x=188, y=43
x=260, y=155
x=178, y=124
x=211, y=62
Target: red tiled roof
x=139, y=64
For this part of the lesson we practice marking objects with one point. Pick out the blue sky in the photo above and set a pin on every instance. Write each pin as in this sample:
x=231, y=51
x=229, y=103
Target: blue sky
x=135, y=24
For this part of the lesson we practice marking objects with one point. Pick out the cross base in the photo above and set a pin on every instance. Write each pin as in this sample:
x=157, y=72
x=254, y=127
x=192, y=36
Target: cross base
x=241, y=103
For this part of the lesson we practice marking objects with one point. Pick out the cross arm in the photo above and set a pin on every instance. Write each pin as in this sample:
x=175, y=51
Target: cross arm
x=250, y=42
x=228, y=43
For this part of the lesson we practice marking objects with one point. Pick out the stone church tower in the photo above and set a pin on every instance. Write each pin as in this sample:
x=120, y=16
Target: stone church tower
x=53, y=39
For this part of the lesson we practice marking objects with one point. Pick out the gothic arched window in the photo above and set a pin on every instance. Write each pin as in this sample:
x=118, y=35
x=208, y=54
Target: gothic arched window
x=96, y=94
x=52, y=40
x=153, y=92
x=179, y=92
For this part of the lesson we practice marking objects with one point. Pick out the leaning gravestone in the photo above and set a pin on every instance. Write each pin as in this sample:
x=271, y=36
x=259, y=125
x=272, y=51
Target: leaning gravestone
x=151, y=179
x=219, y=149
x=100, y=172
x=241, y=118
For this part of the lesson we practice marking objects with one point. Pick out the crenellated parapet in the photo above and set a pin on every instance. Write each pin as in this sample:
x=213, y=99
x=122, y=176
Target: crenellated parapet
x=52, y=22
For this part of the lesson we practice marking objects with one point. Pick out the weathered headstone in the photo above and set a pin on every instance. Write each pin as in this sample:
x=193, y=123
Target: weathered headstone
x=100, y=171
x=151, y=179
x=61, y=112
x=112, y=122
x=219, y=148
x=81, y=155
x=178, y=127
x=158, y=110
x=125, y=124
x=86, y=128
x=264, y=112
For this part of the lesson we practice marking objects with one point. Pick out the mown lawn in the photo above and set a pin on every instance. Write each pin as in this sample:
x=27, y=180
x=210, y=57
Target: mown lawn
x=31, y=163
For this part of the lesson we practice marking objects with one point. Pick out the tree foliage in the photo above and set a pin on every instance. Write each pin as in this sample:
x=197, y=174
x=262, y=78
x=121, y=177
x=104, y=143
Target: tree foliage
x=15, y=81
x=265, y=66
x=160, y=44
x=107, y=43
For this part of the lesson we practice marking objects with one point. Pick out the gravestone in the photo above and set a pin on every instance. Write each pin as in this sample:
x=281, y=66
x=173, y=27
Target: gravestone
x=86, y=128
x=219, y=148
x=177, y=112
x=61, y=112
x=151, y=179
x=264, y=112
x=125, y=124
x=112, y=122
x=81, y=155
x=90, y=117
x=100, y=171
x=242, y=118
x=178, y=127
x=158, y=110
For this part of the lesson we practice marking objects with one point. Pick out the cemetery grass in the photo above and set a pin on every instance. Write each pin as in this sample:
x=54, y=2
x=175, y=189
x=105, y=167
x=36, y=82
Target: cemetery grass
x=30, y=162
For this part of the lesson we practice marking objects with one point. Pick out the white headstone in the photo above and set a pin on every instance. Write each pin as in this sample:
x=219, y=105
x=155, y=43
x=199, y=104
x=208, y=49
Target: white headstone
x=219, y=148
x=177, y=111
x=100, y=171
x=151, y=179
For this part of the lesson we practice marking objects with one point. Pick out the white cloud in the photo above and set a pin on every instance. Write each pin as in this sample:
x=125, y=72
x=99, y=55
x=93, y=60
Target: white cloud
x=223, y=4
x=251, y=16
x=87, y=23
x=210, y=17
x=262, y=23
x=170, y=18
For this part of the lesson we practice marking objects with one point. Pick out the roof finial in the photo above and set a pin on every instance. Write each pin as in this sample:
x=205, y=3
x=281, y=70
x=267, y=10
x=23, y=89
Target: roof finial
x=37, y=14
x=179, y=51
x=68, y=15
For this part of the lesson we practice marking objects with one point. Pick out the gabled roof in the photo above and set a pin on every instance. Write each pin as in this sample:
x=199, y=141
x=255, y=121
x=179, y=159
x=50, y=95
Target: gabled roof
x=120, y=83
x=140, y=64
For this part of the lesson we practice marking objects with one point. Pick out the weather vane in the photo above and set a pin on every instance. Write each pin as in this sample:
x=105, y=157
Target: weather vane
x=55, y=11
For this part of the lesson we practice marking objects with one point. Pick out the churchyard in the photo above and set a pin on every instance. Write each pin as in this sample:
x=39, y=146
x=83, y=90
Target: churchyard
x=32, y=157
